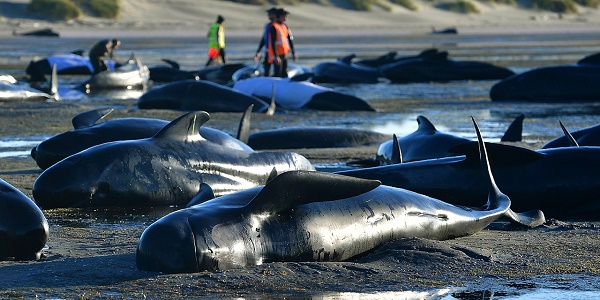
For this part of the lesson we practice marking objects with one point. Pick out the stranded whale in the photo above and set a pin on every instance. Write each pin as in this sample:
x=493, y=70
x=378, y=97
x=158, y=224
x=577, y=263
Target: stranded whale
x=166, y=169
x=305, y=216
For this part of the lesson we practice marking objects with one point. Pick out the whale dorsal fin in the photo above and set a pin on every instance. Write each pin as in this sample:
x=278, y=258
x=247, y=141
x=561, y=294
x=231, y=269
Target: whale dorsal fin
x=184, y=128
x=425, y=125
x=347, y=59
x=171, y=63
x=295, y=188
x=204, y=194
x=499, y=153
x=54, y=84
x=243, y=134
x=514, y=133
x=572, y=140
x=90, y=118
x=396, y=151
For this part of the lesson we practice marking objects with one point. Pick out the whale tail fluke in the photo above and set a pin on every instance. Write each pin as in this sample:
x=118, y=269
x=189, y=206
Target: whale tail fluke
x=498, y=200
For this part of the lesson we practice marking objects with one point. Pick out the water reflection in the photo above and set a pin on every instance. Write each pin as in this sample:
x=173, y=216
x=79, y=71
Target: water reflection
x=107, y=218
x=452, y=294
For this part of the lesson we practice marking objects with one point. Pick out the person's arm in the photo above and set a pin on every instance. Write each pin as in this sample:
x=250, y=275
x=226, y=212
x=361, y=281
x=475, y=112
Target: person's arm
x=260, y=45
x=291, y=40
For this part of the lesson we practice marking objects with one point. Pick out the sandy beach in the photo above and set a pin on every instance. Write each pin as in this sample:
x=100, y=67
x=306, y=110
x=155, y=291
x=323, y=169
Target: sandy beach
x=189, y=18
x=98, y=262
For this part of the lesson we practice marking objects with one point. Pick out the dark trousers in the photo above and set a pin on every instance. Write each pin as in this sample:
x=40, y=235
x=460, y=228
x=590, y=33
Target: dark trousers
x=281, y=69
x=98, y=64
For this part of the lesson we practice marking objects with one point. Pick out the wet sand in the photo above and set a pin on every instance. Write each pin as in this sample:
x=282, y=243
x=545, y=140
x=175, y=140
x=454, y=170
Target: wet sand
x=99, y=261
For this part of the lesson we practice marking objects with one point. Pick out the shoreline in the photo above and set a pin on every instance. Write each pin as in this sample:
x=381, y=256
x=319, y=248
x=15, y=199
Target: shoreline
x=184, y=18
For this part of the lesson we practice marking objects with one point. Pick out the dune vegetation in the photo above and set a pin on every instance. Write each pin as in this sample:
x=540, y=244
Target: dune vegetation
x=459, y=6
x=73, y=9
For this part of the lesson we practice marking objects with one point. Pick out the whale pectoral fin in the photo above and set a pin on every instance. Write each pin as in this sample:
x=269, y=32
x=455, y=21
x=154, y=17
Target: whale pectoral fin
x=295, y=188
x=206, y=193
x=186, y=127
x=514, y=133
x=500, y=153
x=529, y=219
x=90, y=118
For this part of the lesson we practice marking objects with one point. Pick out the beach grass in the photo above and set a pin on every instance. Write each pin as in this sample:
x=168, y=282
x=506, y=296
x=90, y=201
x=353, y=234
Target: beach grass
x=73, y=9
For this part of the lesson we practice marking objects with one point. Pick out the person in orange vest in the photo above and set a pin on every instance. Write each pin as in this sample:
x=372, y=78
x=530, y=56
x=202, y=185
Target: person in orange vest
x=280, y=44
x=264, y=41
x=216, y=41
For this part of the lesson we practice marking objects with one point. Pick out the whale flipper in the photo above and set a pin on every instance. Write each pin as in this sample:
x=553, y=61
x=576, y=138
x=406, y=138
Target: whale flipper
x=303, y=187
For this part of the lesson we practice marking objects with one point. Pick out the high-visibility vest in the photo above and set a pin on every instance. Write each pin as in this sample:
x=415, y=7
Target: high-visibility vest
x=281, y=41
x=212, y=36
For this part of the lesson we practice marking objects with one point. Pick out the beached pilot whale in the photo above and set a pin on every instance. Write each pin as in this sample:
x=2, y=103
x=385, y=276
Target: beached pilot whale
x=11, y=90
x=46, y=32
x=562, y=182
x=291, y=94
x=66, y=64
x=344, y=70
x=305, y=216
x=314, y=137
x=23, y=227
x=166, y=169
x=199, y=95
x=438, y=68
x=427, y=142
x=564, y=83
x=131, y=75
x=88, y=132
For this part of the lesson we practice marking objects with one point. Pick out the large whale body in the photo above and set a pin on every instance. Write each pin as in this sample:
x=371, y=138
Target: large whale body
x=290, y=94
x=562, y=182
x=427, y=142
x=314, y=137
x=438, y=68
x=304, y=216
x=166, y=169
x=564, y=83
x=88, y=133
x=23, y=227
x=66, y=64
x=199, y=95
x=344, y=70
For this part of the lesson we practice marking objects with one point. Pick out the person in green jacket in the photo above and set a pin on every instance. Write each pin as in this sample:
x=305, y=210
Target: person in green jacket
x=216, y=41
